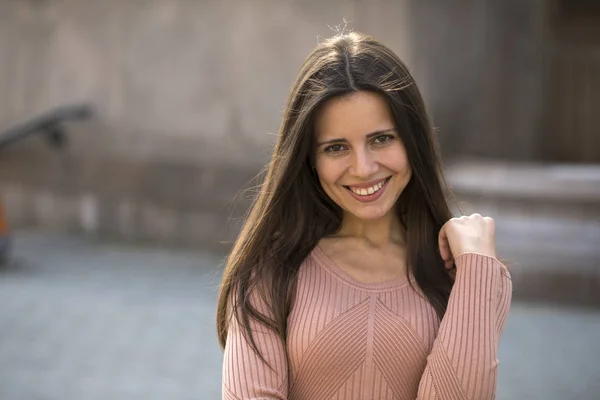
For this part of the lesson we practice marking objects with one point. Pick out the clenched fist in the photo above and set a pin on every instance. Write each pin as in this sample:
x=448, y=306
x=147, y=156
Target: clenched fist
x=466, y=234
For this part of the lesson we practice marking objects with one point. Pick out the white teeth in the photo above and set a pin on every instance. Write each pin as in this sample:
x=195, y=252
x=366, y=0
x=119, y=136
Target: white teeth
x=367, y=191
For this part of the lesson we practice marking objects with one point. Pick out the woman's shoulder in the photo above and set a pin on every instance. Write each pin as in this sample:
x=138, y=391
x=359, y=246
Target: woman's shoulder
x=311, y=262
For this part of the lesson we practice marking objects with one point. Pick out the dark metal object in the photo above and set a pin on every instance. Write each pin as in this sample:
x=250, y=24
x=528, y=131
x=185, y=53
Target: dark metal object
x=49, y=124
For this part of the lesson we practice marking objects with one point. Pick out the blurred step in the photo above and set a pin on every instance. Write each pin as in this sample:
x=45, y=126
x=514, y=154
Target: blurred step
x=186, y=205
x=548, y=217
x=547, y=224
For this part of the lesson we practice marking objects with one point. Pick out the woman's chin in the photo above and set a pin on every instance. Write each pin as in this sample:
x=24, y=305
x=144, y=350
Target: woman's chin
x=368, y=214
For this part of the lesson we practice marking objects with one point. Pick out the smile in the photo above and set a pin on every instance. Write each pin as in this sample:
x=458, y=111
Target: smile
x=369, y=193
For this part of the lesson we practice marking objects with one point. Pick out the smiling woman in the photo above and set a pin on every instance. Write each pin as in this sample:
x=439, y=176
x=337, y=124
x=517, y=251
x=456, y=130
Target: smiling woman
x=350, y=279
x=360, y=156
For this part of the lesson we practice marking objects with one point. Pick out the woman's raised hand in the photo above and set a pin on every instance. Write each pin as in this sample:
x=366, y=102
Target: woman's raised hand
x=466, y=234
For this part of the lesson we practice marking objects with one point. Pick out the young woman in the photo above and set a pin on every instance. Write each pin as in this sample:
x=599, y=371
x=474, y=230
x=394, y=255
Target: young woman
x=350, y=279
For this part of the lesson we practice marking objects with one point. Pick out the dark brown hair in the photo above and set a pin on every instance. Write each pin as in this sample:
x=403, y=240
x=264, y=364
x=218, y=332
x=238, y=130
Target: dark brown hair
x=292, y=212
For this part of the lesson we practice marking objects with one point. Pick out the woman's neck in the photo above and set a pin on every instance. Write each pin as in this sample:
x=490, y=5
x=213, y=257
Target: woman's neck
x=377, y=233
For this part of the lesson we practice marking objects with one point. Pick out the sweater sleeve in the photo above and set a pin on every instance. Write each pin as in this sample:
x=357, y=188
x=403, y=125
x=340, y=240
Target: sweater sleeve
x=245, y=375
x=463, y=362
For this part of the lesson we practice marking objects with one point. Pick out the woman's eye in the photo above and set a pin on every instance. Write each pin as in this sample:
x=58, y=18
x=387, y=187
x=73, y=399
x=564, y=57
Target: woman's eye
x=334, y=148
x=381, y=139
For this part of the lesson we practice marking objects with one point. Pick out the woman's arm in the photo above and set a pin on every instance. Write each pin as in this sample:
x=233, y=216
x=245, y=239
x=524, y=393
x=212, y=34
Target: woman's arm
x=245, y=375
x=463, y=362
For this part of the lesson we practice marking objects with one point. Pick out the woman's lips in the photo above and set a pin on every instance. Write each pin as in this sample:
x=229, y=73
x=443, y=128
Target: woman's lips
x=369, y=197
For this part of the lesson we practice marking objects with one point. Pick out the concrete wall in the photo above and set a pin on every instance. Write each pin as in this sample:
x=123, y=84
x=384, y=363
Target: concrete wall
x=188, y=95
x=172, y=80
x=481, y=63
x=572, y=84
x=511, y=80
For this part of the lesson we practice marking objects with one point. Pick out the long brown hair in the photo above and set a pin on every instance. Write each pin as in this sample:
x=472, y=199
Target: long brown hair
x=292, y=212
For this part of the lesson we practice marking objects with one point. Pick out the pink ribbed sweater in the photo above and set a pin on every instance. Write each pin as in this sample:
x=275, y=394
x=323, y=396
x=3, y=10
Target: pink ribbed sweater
x=351, y=340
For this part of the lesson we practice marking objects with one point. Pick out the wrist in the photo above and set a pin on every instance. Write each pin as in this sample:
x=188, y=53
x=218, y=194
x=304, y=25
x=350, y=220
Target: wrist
x=473, y=260
x=483, y=253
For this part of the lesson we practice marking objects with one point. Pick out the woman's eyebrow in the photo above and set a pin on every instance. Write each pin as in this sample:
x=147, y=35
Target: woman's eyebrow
x=368, y=136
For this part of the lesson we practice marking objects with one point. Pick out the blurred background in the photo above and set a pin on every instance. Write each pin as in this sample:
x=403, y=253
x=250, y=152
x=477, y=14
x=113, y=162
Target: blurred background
x=128, y=130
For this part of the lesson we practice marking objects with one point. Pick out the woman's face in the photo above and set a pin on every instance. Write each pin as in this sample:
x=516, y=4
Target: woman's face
x=360, y=159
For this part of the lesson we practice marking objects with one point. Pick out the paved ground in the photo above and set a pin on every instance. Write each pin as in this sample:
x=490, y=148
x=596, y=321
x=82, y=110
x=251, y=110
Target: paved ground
x=82, y=320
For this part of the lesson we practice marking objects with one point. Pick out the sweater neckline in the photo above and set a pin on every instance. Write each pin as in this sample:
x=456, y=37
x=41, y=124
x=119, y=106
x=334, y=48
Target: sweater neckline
x=329, y=265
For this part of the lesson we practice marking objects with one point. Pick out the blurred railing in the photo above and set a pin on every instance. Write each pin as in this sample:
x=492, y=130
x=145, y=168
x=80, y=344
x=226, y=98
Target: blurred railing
x=50, y=124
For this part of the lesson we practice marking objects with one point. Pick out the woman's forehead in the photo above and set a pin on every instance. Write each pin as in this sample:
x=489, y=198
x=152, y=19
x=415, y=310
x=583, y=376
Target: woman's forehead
x=358, y=114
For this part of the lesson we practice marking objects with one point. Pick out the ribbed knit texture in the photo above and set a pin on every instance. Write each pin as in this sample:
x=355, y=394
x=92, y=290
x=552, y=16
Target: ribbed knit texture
x=350, y=340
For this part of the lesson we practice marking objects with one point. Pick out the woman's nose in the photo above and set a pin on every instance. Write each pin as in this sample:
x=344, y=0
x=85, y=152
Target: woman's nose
x=364, y=165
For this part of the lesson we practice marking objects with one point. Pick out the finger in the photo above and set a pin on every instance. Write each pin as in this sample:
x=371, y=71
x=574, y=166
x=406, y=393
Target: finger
x=445, y=252
x=449, y=264
x=490, y=221
x=444, y=246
